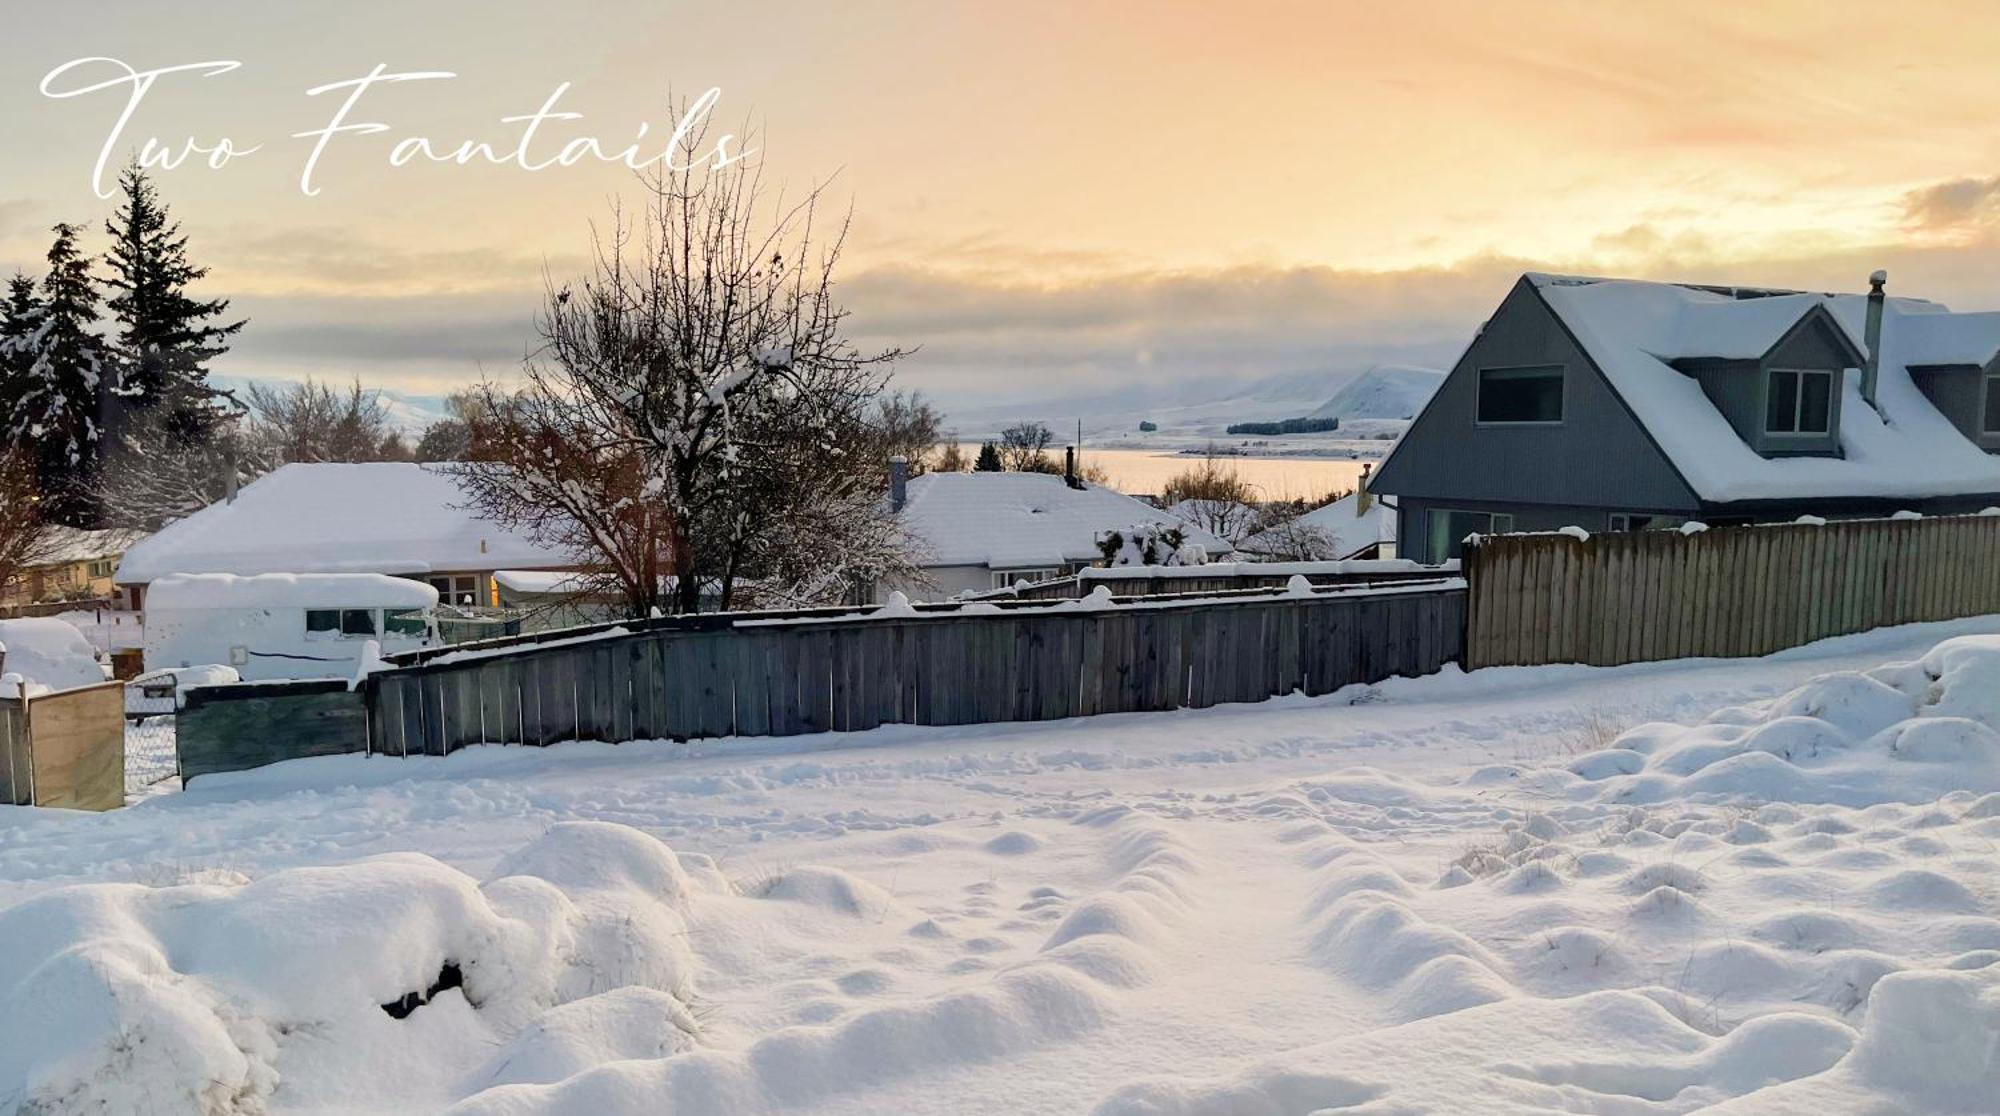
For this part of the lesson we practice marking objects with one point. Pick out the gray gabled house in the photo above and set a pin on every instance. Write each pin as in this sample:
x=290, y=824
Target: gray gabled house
x=1620, y=405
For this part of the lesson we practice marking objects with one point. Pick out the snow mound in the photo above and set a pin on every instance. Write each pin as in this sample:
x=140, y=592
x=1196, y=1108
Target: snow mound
x=127, y=998
x=1902, y=732
x=47, y=654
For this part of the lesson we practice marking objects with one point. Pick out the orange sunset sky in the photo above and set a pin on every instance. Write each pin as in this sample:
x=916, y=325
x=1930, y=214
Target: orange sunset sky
x=1053, y=197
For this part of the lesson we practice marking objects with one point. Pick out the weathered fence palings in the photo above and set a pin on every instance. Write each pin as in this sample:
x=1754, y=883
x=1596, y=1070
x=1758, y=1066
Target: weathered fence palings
x=64, y=749
x=1728, y=591
x=793, y=677
x=244, y=725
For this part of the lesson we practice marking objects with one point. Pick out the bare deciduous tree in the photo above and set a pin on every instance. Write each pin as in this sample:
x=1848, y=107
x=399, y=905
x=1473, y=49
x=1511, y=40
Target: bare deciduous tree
x=22, y=527
x=703, y=361
x=312, y=421
x=1024, y=448
x=159, y=477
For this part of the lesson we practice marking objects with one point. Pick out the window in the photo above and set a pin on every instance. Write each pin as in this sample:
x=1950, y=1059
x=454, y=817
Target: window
x=1004, y=579
x=340, y=623
x=1798, y=402
x=1989, y=420
x=1448, y=530
x=1529, y=394
x=404, y=622
x=1631, y=522
x=100, y=569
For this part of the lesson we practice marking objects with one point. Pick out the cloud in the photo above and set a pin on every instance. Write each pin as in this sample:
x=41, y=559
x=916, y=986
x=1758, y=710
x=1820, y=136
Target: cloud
x=1952, y=205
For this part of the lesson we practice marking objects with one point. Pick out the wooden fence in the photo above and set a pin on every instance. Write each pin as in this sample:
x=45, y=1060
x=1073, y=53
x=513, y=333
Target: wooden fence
x=64, y=749
x=723, y=675
x=1728, y=591
x=1218, y=577
x=244, y=725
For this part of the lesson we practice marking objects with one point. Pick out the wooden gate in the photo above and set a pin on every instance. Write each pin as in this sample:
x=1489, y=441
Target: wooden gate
x=64, y=749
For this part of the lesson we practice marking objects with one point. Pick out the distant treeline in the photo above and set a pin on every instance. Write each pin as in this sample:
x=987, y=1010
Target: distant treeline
x=1288, y=426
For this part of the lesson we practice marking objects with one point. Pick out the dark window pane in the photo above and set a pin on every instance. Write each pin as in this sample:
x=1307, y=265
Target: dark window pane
x=1990, y=424
x=1815, y=402
x=1781, y=411
x=1521, y=394
x=357, y=622
x=322, y=620
x=1449, y=529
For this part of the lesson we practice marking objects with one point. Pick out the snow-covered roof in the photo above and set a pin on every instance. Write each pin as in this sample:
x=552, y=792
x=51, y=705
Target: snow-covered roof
x=283, y=590
x=1904, y=449
x=1351, y=533
x=1019, y=520
x=387, y=517
x=540, y=581
x=61, y=546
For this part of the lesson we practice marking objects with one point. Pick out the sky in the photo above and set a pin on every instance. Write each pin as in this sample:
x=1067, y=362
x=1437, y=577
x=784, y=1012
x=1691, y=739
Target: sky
x=1046, y=197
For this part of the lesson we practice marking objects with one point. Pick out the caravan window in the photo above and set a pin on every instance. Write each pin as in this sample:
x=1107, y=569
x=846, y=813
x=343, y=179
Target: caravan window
x=403, y=622
x=340, y=623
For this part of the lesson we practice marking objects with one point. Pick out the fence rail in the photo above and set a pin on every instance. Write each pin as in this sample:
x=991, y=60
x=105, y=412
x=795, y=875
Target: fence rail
x=784, y=676
x=1729, y=591
x=1156, y=581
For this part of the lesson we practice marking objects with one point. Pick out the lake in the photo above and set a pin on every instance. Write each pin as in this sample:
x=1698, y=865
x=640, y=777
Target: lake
x=1145, y=472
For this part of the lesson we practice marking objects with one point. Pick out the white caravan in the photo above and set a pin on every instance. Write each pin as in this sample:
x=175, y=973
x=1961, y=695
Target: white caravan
x=273, y=626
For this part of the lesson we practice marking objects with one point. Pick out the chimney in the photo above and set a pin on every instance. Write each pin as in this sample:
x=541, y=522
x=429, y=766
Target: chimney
x=1069, y=468
x=1363, y=498
x=1872, y=336
x=899, y=482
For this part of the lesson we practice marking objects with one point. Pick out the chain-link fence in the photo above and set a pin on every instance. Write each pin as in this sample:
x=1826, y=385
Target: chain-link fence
x=149, y=752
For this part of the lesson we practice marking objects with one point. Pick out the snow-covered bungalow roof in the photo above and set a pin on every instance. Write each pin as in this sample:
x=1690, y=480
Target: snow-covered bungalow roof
x=388, y=518
x=1351, y=533
x=1903, y=447
x=61, y=546
x=1024, y=520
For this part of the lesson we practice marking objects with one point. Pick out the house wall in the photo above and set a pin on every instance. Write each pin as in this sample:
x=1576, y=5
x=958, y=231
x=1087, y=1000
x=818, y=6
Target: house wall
x=941, y=583
x=1413, y=533
x=1597, y=457
x=63, y=581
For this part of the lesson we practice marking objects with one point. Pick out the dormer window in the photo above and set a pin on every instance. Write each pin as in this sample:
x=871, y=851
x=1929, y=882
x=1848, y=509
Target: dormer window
x=1798, y=401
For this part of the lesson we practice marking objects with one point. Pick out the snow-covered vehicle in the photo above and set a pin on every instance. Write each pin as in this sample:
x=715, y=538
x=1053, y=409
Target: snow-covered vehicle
x=274, y=626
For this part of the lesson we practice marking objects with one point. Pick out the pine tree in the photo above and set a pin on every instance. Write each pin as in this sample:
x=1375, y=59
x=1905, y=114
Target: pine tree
x=989, y=459
x=20, y=316
x=165, y=337
x=56, y=410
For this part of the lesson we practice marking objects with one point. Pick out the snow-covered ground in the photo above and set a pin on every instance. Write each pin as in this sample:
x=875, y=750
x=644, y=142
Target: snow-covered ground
x=1491, y=892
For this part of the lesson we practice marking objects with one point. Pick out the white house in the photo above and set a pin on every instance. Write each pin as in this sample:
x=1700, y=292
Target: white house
x=980, y=531
x=391, y=518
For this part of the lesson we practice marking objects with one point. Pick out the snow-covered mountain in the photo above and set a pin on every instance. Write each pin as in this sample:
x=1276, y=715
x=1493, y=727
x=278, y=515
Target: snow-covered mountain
x=1386, y=391
x=1195, y=407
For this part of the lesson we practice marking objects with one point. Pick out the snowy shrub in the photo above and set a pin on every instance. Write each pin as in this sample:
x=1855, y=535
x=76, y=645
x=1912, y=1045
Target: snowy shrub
x=1148, y=544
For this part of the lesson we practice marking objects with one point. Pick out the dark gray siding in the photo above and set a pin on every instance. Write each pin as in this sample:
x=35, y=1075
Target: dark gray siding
x=1597, y=457
x=1413, y=526
x=1958, y=392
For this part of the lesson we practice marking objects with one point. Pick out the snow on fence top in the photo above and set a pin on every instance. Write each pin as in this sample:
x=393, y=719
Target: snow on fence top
x=1025, y=519
x=284, y=590
x=384, y=517
x=900, y=608
x=1631, y=330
